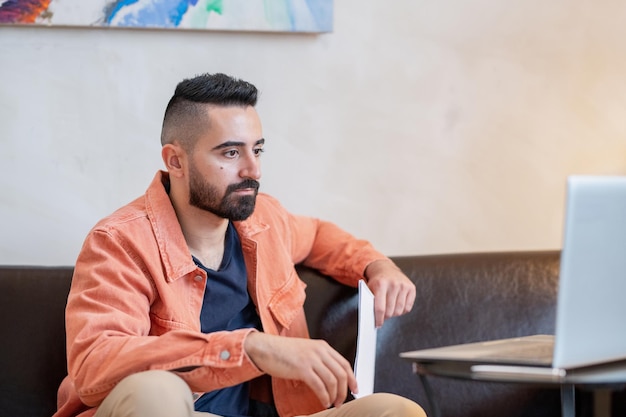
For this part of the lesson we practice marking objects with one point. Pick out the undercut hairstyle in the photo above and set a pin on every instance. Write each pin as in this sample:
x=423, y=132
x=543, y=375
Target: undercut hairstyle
x=187, y=113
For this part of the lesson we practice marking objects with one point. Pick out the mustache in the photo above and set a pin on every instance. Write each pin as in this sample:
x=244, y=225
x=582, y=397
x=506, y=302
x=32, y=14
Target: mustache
x=245, y=184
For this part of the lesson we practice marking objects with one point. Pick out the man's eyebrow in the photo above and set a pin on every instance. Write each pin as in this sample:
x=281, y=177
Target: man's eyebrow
x=231, y=143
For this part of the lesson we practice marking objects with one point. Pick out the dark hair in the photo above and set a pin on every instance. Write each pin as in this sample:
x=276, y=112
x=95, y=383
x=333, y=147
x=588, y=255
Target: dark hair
x=186, y=113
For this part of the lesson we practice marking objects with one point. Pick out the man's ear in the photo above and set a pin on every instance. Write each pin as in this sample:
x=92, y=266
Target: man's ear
x=174, y=158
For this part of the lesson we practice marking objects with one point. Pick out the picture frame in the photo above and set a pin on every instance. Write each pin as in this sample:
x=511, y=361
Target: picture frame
x=307, y=16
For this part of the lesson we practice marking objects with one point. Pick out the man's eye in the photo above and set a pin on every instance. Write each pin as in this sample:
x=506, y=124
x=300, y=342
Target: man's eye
x=232, y=153
x=259, y=151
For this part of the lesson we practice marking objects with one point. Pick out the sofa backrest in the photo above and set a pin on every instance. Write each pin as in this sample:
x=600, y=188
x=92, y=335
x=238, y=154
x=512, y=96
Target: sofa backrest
x=457, y=297
x=461, y=298
x=471, y=298
x=32, y=325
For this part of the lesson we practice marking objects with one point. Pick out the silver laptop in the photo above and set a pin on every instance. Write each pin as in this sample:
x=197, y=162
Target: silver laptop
x=591, y=307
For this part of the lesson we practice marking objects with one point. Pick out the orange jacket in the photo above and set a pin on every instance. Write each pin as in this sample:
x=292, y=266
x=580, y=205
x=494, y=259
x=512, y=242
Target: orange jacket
x=136, y=296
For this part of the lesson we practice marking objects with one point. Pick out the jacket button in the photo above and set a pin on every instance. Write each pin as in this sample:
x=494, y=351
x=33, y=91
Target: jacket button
x=224, y=355
x=198, y=278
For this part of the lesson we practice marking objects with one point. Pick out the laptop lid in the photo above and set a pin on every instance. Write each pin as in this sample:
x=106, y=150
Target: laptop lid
x=591, y=309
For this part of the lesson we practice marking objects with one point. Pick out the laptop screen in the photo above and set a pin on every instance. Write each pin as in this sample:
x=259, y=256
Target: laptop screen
x=590, y=325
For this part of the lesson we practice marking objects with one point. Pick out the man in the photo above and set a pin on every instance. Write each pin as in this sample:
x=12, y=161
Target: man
x=192, y=287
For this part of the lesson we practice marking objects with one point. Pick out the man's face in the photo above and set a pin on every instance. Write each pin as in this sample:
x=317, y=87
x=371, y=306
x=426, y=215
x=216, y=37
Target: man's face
x=224, y=166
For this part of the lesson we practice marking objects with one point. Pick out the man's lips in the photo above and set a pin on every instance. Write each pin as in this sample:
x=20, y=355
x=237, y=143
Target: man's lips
x=246, y=187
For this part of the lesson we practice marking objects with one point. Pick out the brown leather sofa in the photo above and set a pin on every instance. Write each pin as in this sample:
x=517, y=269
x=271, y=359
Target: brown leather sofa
x=461, y=298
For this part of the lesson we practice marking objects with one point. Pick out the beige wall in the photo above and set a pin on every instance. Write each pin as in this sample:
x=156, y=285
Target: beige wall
x=425, y=127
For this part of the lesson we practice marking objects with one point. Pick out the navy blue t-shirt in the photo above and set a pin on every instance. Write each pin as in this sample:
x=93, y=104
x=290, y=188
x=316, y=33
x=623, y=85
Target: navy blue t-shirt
x=227, y=306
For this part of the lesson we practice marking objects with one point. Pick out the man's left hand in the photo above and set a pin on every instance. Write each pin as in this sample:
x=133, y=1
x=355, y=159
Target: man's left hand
x=394, y=293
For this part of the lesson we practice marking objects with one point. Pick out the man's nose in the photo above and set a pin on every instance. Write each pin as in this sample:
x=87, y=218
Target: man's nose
x=251, y=167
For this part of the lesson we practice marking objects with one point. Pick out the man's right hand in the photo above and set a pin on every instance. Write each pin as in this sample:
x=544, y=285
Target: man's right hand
x=314, y=362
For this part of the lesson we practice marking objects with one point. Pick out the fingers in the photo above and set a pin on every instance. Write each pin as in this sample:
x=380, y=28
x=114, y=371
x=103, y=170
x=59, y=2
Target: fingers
x=400, y=300
x=410, y=300
x=314, y=362
x=394, y=293
x=339, y=379
x=349, y=382
x=380, y=309
x=336, y=376
x=393, y=299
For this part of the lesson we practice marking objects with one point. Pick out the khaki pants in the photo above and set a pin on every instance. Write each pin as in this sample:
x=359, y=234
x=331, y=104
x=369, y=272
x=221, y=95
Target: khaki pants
x=163, y=394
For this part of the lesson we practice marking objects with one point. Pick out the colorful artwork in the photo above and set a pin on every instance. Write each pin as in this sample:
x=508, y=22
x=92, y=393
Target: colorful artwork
x=252, y=15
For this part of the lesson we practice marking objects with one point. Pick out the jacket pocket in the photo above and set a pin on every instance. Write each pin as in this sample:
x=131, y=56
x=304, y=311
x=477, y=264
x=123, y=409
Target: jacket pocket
x=288, y=302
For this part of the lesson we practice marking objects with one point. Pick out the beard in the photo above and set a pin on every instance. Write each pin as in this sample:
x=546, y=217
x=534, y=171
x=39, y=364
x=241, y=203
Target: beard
x=230, y=206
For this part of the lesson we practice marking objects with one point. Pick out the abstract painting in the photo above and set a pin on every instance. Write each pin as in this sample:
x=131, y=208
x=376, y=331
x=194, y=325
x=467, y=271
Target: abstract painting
x=240, y=15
